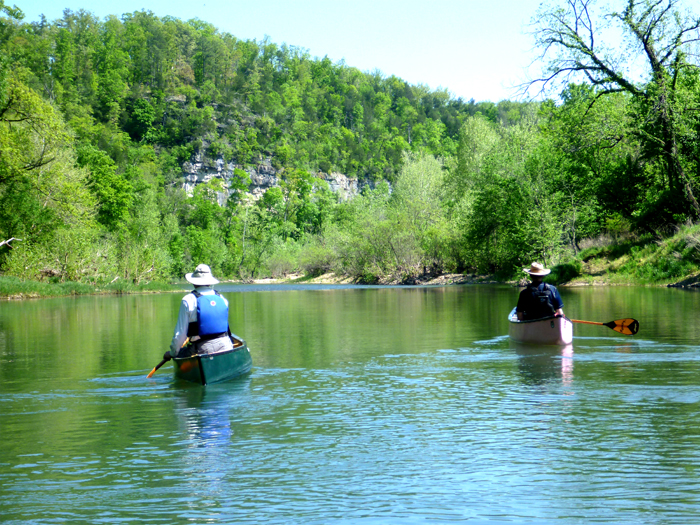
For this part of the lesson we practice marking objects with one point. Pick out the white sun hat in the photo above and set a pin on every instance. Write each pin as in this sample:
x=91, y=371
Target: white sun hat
x=201, y=276
x=537, y=269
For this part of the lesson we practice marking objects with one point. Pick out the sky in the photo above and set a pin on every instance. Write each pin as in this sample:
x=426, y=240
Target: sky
x=475, y=49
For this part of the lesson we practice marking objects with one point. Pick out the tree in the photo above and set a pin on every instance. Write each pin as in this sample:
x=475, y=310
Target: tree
x=142, y=249
x=35, y=151
x=296, y=191
x=596, y=156
x=44, y=198
x=206, y=211
x=7, y=25
x=113, y=191
x=477, y=139
x=418, y=199
x=657, y=31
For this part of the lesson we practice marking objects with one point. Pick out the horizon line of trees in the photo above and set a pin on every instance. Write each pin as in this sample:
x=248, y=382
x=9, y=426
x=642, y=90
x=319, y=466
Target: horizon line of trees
x=97, y=117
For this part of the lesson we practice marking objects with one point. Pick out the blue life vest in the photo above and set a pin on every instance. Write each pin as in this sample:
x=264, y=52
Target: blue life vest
x=212, y=316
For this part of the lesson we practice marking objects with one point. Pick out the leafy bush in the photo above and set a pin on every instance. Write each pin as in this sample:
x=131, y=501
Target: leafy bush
x=565, y=272
x=281, y=264
x=316, y=259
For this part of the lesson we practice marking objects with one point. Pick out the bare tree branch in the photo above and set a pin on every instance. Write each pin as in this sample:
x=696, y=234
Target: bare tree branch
x=8, y=241
x=567, y=38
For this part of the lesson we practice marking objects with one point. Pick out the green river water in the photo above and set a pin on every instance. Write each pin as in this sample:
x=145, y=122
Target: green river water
x=365, y=405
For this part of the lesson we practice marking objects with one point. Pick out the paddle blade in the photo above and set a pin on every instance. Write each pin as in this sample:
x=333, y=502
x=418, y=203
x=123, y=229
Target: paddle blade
x=624, y=326
x=156, y=368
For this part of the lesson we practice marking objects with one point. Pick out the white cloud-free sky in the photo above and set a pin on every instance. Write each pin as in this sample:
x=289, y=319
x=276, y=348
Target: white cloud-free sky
x=472, y=48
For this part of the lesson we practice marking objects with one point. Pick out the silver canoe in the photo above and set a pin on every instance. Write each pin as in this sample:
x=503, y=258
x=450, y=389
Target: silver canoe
x=547, y=331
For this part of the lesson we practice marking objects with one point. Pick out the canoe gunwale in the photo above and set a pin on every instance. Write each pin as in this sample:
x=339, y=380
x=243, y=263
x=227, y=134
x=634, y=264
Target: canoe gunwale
x=551, y=330
x=212, y=354
x=512, y=317
x=201, y=362
x=533, y=320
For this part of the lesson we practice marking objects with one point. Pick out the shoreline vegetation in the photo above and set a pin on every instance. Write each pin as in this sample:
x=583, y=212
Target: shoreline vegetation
x=136, y=147
x=673, y=262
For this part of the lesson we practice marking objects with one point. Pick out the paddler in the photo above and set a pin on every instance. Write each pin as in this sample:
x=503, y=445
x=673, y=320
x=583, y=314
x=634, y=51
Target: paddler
x=539, y=299
x=203, y=317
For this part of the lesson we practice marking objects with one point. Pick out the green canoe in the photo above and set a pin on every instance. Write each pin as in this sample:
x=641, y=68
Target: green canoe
x=220, y=366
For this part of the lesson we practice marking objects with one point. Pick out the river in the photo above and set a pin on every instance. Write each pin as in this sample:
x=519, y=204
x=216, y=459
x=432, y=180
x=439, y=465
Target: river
x=364, y=405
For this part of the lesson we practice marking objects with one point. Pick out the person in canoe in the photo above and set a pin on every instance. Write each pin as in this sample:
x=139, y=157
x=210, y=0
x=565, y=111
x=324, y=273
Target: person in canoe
x=539, y=299
x=203, y=318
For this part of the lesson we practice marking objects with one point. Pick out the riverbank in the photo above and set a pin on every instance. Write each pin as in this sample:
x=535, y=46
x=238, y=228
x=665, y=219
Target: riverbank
x=12, y=288
x=430, y=280
x=15, y=289
x=672, y=262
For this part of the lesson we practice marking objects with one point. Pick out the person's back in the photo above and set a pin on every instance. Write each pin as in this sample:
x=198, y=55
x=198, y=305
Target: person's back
x=539, y=299
x=202, y=319
x=536, y=301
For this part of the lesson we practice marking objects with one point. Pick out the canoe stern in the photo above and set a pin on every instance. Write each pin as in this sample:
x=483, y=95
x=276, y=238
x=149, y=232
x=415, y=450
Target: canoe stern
x=219, y=366
x=548, y=331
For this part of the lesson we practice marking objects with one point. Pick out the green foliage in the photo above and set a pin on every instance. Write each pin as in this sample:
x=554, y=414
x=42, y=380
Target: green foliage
x=647, y=259
x=114, y=192
x=171, y=83
x=284, y=259
x=16, y=287
x=565, y=272
x=43, y=196
x=659, y=36
x=98, y=117
x=142, y=250
x=507, y=209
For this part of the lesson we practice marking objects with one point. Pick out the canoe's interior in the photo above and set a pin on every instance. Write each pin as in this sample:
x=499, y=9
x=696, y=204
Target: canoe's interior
x=513, y=318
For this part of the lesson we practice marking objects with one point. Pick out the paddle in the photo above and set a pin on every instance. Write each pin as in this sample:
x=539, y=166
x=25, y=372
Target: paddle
x=623, y=326
x=150, y=374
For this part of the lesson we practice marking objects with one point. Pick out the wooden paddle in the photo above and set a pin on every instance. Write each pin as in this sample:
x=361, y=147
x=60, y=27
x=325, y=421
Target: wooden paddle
x=623, y=326
x=150, y=374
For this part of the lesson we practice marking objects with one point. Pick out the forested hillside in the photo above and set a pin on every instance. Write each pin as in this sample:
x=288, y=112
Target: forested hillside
x=97, y=118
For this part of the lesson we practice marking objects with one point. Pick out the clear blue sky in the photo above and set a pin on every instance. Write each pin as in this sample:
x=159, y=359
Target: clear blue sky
x=474, y=49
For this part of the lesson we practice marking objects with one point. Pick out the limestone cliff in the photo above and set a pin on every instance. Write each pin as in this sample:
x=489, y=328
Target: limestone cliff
x=263, y=175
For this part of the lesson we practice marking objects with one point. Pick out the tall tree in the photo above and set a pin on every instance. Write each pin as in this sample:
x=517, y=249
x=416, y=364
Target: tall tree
x=659, y=32
x=44, y=198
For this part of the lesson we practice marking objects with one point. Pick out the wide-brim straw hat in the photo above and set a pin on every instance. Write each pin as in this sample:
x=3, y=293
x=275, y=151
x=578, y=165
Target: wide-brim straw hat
x=537, y=269
x=201, y=276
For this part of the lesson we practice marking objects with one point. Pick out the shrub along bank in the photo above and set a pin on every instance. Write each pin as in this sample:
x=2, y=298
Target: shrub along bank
x=650, y=261
x=15, y=288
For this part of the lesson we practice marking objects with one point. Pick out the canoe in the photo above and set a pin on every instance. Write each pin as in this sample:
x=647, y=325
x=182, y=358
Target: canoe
x=219, y=366
x=546, y=331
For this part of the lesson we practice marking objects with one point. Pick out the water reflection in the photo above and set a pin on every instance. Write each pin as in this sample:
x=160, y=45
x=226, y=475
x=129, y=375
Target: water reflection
x=205, y=412
x=543, y=364
x=352, y=414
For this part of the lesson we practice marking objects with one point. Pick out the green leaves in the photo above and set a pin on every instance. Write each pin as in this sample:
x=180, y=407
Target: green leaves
x=113, y=191
x=35, y=155
x=658, y=37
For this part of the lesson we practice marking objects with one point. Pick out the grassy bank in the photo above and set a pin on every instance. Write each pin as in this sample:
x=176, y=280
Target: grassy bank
x=14, y=288
x=649, y=260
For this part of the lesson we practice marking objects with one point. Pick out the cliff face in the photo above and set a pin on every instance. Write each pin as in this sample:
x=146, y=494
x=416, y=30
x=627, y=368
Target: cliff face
x=264, y=175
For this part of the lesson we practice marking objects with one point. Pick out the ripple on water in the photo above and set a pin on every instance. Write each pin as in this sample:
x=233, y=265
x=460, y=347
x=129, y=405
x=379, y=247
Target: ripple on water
x=478, y=433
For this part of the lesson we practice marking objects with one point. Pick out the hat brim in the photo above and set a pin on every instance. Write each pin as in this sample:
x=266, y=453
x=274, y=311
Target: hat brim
x=538, y=274
x=201, y=281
